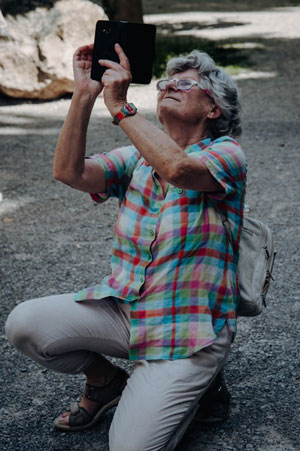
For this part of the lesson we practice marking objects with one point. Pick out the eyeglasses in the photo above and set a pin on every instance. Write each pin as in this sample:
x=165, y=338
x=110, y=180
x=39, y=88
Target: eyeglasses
x=183, y=84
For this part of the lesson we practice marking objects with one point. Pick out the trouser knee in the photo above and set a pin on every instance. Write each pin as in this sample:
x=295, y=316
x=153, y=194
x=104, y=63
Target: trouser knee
x=20, y=326
x=30, y=330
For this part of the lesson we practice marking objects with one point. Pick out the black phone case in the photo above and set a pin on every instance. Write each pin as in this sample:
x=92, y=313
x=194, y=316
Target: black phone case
x=137, y=41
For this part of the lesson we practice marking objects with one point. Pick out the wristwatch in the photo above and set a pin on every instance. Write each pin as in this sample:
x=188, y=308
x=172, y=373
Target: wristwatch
x=128, y=109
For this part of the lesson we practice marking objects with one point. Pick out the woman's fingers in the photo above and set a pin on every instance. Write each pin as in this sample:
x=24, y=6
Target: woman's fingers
x=114, y=72
x=124, y=61
x=84, y=52
x=116, y=80
x=82, y=63
x=84, y=49
x=109, y=64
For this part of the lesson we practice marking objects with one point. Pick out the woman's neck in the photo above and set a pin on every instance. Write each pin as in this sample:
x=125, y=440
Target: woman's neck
x=185, y=136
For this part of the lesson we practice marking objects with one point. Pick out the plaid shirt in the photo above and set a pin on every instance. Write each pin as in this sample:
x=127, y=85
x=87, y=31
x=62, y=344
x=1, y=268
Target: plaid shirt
x=171, y=260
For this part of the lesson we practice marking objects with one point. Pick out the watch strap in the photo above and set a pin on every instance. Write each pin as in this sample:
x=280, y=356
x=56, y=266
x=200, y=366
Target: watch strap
x=128, y=109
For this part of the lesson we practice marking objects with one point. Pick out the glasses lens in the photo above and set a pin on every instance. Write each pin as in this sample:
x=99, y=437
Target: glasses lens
x=161, y=85
x=185, y=84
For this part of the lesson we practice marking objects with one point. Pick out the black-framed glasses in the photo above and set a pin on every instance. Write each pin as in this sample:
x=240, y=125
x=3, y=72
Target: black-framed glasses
x=182, y=84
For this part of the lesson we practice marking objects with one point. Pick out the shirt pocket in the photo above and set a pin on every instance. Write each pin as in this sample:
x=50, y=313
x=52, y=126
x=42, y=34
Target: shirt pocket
x=181, y=208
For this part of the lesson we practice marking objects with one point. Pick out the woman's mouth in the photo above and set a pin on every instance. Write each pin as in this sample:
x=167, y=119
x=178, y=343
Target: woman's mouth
x=171, y=97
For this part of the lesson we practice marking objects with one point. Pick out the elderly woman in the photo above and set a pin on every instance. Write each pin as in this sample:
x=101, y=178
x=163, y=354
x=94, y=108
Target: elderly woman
x=170, y=301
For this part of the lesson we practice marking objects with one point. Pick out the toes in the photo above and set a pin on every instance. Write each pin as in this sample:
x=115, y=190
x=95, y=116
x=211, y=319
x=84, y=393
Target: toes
x=64, y=418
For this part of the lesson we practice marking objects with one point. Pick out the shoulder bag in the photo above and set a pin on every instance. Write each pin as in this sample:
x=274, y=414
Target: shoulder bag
x=255, y=263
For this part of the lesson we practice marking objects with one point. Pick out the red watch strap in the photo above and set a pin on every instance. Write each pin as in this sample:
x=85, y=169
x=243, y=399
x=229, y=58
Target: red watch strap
x=119, y=116
x=128, y=109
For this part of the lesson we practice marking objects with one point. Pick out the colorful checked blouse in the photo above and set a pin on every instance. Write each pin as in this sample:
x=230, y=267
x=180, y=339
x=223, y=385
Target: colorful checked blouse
x=171, y=260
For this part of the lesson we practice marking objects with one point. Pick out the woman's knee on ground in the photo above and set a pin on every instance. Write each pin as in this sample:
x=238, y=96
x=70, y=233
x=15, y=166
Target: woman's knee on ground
x=136, y=438
x=128, y=442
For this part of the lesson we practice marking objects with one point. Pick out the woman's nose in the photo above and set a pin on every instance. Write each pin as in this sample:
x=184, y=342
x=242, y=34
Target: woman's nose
x=171, y=85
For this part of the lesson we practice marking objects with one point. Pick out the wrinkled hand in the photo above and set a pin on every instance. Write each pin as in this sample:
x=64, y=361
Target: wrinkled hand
x=82, y=65
x=116, y=80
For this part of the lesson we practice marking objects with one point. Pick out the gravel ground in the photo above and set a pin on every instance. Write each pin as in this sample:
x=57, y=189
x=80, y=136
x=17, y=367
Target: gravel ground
x=53, y=240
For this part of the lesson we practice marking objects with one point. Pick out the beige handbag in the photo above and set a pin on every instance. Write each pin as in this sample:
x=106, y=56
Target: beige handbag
x=255, y=264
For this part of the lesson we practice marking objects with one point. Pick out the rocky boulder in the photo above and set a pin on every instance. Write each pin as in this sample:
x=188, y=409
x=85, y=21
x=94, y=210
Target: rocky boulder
x=36, y=48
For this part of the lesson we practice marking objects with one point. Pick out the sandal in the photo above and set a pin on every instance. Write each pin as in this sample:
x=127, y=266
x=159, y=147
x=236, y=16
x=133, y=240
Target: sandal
x=107, y=396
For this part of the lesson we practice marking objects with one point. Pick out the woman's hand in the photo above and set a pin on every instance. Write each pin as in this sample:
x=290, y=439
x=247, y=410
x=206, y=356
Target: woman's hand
x=82, y=64
x=116, y=80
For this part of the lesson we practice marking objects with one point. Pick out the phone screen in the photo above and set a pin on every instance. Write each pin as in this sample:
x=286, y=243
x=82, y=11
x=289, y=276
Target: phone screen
x=137, y=41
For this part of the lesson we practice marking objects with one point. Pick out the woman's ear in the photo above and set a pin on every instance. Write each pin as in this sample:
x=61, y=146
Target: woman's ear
x=214, y=113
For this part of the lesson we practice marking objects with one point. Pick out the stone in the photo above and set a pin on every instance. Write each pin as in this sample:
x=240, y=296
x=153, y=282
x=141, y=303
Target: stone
x=36, y=48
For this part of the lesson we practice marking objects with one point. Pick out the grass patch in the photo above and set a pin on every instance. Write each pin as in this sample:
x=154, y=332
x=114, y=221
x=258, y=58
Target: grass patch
x=177, y=6
x=169, y=46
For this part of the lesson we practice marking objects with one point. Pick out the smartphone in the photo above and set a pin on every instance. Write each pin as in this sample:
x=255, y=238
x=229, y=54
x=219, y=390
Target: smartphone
x=136, y=39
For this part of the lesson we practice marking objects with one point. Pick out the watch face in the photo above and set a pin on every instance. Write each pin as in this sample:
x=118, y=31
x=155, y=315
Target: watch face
x=129, y=109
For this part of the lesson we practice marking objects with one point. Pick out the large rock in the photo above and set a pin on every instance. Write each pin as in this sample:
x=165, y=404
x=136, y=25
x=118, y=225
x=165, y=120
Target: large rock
x=36, y=48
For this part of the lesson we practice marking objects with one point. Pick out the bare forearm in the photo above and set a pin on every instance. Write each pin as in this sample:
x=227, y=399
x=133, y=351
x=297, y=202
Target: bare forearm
x=71, y=145
x=158, y=149
x=167, y=157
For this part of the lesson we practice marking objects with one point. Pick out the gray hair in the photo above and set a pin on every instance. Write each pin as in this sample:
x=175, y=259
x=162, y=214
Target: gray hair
x=222, y=88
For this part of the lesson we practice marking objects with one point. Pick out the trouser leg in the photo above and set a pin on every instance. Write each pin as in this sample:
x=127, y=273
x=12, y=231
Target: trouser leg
x=161, y=398
x=63, y=335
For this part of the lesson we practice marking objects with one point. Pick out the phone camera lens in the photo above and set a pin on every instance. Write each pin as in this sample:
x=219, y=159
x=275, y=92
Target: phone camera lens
x=106, y=30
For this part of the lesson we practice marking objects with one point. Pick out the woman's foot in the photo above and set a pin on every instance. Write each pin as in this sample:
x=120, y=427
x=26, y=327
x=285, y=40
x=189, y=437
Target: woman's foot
x=95, y=401
x=91, y=408
x=214, y=406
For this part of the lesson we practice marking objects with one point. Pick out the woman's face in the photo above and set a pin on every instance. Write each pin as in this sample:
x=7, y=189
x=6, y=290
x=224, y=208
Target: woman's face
x=191, y=107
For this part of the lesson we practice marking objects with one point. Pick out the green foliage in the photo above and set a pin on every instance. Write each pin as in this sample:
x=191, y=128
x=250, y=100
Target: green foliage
x=178, y=6
x=15, y=7
x=169, y=46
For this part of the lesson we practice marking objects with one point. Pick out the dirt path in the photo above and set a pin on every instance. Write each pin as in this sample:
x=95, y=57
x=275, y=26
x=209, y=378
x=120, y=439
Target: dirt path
x=54, y=240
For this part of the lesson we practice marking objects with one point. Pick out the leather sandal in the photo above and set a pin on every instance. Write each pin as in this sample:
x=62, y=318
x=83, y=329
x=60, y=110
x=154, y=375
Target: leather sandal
x=107, y=396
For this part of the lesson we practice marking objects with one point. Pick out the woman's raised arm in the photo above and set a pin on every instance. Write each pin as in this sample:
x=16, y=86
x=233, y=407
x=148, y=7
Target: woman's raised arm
x=70, y=165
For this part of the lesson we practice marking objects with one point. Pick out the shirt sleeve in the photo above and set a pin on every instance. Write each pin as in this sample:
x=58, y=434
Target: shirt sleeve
x=227, y=163
x=118, y=166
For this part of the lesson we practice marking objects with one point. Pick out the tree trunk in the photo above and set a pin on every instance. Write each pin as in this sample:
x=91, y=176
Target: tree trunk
x=130, y=10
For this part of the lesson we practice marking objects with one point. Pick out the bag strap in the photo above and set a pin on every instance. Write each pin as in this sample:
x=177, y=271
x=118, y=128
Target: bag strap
x=225, y=222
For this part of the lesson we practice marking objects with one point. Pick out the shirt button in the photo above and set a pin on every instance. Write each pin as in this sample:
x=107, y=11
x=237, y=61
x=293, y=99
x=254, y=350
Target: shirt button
x=179, y=190
x=141, y=278
x=152, y=233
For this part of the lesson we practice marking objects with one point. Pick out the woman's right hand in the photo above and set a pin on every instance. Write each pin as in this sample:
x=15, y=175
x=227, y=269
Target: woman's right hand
x=82, y=65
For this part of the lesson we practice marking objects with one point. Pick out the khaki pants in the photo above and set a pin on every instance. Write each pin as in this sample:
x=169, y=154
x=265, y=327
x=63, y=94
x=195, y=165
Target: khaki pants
x=161, y=396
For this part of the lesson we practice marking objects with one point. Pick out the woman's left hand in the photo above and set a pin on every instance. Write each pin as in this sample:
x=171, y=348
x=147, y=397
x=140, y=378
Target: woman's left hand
x=116, y=80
